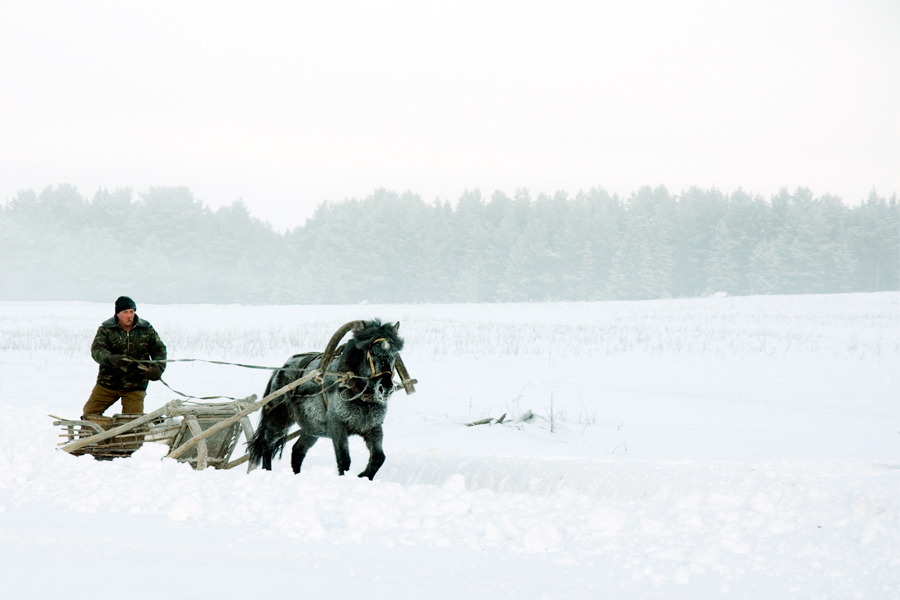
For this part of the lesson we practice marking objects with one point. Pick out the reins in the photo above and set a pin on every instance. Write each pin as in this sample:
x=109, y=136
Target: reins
x=212, y=362
x=342, y=377
x=141, y=365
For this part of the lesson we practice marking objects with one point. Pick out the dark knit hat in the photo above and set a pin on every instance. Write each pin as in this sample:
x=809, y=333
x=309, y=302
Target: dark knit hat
x=124, y=303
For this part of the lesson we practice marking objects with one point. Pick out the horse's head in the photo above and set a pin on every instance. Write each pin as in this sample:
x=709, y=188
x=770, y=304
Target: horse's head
x=371, y=355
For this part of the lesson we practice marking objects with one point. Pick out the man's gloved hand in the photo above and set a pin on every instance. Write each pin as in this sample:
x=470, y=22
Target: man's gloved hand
x=153, y=372
x=117, y=361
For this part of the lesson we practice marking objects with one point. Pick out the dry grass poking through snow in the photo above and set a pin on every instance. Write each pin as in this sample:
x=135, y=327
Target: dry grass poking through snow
x=846, y=325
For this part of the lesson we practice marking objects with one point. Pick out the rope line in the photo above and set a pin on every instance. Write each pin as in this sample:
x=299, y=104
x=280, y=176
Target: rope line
x=339, y=374
x=342, y=376
x=183, y=395
x=212, y=362
x=341, y=379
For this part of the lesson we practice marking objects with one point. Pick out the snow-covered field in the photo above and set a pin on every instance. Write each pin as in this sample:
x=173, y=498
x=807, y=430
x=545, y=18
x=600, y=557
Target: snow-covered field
x=709, y=448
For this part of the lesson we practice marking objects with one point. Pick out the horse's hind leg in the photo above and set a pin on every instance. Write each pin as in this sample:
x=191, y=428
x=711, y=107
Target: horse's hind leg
x=270, y=437
x=268, y=453
x=301, y=447
x=376, y=454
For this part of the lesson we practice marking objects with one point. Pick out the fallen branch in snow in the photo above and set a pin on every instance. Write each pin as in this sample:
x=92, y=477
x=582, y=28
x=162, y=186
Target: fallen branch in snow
x=487, y=421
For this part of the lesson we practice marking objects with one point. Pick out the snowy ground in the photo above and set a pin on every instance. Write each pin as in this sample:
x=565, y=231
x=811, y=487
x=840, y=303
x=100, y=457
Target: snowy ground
x=710, y=448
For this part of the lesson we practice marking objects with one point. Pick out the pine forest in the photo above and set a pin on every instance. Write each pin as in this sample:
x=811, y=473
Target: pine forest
x=166, y=246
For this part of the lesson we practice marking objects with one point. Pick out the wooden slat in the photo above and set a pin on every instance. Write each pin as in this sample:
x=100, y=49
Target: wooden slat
x=120, y=429
x=202, y=452
x=405, y=380
x=246, y=457
x=247, y=426
x=74, y=422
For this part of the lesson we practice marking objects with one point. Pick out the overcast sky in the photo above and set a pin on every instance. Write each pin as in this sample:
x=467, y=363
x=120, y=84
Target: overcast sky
x=286, y=104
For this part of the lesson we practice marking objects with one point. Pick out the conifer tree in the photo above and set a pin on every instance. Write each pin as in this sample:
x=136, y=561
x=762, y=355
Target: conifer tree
x=721, y=269
x=767, y=268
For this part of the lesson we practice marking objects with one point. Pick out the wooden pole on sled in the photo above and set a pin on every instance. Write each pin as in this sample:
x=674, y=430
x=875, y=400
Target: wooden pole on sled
x=239, y=461
x=238, y=416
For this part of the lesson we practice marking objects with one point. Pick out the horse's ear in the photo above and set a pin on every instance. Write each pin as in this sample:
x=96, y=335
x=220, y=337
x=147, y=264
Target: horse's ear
x=396, y=326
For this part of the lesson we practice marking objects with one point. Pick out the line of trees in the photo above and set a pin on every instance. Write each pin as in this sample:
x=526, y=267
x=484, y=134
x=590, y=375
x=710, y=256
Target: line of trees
x=167, y=247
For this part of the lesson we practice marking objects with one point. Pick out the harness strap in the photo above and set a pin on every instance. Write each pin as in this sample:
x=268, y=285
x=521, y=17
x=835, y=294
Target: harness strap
x=372, y=364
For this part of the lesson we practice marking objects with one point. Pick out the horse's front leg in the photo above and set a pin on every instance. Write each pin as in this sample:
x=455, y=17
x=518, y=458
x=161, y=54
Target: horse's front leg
x=376, y=454
x=341, y=442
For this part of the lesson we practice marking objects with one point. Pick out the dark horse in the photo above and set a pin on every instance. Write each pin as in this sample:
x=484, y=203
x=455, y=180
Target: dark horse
x=350, y=400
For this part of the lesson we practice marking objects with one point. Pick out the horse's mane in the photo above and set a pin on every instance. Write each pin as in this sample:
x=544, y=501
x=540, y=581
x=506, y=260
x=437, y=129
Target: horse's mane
x=374, y=329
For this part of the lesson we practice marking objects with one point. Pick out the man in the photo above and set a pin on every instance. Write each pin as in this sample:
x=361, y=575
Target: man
x=125, y=336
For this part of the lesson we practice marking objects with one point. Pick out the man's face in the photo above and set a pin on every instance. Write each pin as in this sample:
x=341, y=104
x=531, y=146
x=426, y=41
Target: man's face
x=126, y=317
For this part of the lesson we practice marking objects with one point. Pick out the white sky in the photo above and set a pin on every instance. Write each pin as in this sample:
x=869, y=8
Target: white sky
x=286, y=104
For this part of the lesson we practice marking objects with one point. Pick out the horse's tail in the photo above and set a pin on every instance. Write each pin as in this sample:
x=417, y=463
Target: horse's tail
x=270, y=436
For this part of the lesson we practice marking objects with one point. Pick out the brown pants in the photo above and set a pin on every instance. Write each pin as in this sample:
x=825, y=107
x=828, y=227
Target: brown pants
x=102, y=398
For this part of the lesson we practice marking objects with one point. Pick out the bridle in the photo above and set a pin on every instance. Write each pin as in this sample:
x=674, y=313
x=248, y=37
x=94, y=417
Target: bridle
x=346, y=379
x=372, y=363
x=362, y=393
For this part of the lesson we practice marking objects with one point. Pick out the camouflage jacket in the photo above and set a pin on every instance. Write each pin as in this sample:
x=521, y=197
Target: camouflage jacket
x=141, y=343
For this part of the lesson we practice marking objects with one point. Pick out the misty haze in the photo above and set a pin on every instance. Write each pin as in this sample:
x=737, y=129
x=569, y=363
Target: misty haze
x=168, y=247
x=641, y=261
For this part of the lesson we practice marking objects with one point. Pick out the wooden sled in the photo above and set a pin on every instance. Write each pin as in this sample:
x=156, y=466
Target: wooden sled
x=117, y=446
x=179, y=425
